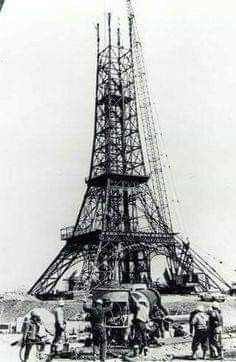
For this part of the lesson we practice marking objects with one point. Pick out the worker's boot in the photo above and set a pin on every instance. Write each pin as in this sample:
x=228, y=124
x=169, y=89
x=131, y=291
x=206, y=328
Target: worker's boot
x=95, y=358
x=212, y=354
x=136, y=350
x=145, y=351
x=194, y=356
x=220, y=353
x=53, y=348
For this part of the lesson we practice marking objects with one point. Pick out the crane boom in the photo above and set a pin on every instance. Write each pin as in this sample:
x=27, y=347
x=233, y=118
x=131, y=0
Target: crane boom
x=148, y=123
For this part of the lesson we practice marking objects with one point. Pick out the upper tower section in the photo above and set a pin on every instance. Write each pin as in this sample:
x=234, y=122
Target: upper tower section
x=117, y=150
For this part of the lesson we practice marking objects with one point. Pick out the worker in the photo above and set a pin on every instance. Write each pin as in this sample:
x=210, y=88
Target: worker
x=153, y=333
x=192, y=314
x=158, y=315
x=179, y=331
x=97, y=320
x=60, y=324
x=215, y=331
x=199, y=325
x=34, y=333
x=140, y=320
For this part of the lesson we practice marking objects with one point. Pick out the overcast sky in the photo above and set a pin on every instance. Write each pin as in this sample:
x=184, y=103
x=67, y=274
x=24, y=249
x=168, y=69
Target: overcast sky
x=47, y=83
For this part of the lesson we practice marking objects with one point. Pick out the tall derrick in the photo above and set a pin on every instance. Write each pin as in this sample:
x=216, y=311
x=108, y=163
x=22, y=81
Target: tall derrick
x=122, y=222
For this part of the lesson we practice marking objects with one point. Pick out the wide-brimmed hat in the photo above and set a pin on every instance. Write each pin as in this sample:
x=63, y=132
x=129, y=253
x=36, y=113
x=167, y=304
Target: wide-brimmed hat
x=99, y=301
x=61, y=303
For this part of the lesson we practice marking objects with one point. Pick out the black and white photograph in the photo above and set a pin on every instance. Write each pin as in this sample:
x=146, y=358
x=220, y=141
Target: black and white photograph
x=117, y=186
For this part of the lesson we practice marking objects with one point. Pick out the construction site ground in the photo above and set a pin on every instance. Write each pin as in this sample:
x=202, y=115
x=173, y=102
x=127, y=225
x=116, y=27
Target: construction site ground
x=173, y=349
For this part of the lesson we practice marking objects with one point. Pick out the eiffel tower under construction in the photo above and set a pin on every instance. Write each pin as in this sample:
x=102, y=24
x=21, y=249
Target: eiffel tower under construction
x=124, y=220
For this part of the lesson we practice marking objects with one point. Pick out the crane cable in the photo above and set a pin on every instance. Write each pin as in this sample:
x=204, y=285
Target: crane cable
x=147, y=120
x=172, y=183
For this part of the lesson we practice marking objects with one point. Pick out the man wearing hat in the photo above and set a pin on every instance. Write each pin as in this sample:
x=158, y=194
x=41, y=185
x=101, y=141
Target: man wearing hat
x=141, y=317
x=97, y=320
x=215, y=331
x=158, y=315
x=31, y=335
x=200, y=323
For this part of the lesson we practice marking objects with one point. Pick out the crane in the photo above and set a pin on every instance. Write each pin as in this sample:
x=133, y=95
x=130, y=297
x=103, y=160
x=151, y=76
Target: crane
x=154, y=163
x=186, y=258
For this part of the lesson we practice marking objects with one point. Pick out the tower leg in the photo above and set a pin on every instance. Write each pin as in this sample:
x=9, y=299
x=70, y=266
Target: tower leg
x=48, y=280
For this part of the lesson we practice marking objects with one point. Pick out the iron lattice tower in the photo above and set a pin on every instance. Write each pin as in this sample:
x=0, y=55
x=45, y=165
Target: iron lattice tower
x=120, y=225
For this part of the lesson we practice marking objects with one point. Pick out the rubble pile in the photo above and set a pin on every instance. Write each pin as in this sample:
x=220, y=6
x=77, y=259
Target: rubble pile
x=180, y=307
x=13, y=305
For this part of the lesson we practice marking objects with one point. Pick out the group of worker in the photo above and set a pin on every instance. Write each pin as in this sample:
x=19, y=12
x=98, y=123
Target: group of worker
x=35, y=332
x=206, y=328
x=140, y=333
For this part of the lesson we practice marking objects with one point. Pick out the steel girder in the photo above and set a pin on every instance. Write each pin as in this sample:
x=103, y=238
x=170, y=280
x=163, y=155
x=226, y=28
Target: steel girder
x=49, y=279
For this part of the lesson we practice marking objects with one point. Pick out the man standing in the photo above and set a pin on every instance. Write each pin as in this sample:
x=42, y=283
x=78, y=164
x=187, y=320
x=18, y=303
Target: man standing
x=32, y=334
x=59, y=323
x=97, y=320
x=158, y=315
x=140, y=327
x=199, y=323
x=215, y=331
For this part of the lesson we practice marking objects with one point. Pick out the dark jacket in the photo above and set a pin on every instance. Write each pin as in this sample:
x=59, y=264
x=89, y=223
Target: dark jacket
x=215, y=320
x=192, y=314
x=158, y=313
x=30, y=330
x=96, y=314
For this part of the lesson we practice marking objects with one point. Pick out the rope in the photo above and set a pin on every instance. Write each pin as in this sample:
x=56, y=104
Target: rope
x=172, y=183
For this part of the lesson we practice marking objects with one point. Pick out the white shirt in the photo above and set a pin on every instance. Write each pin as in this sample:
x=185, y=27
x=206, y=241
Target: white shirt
x=142, y=313
x=59, y=316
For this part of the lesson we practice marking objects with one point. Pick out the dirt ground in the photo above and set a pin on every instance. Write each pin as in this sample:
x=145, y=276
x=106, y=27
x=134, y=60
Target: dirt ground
x=178, y=352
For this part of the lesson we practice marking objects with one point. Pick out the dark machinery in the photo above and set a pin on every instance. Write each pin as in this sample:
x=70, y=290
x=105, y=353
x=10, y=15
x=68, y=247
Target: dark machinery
x=119, y=320
x=124, y=219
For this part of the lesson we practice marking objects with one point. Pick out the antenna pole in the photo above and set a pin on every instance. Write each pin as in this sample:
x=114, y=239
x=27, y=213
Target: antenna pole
x=131, y=31
x=98, y=38
x=109, y=29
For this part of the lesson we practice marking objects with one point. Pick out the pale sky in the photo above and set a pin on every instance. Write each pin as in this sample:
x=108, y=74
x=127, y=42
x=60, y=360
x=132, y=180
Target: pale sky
x=47, y=84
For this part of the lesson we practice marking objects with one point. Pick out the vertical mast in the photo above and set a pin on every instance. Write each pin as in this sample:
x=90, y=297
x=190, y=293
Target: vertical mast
x=98, y=39
x=108, y=126
x=130, y=19
x=96, y=92
x=123, y=121
x=108, y=115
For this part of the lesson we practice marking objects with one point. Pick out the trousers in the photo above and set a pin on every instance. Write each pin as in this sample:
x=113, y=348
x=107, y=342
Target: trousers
x=215, y=342
x=140, y=334
x=200, y=338
x=28, y=346
x=99, y=341
x=58, y=333
x=160, y=323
